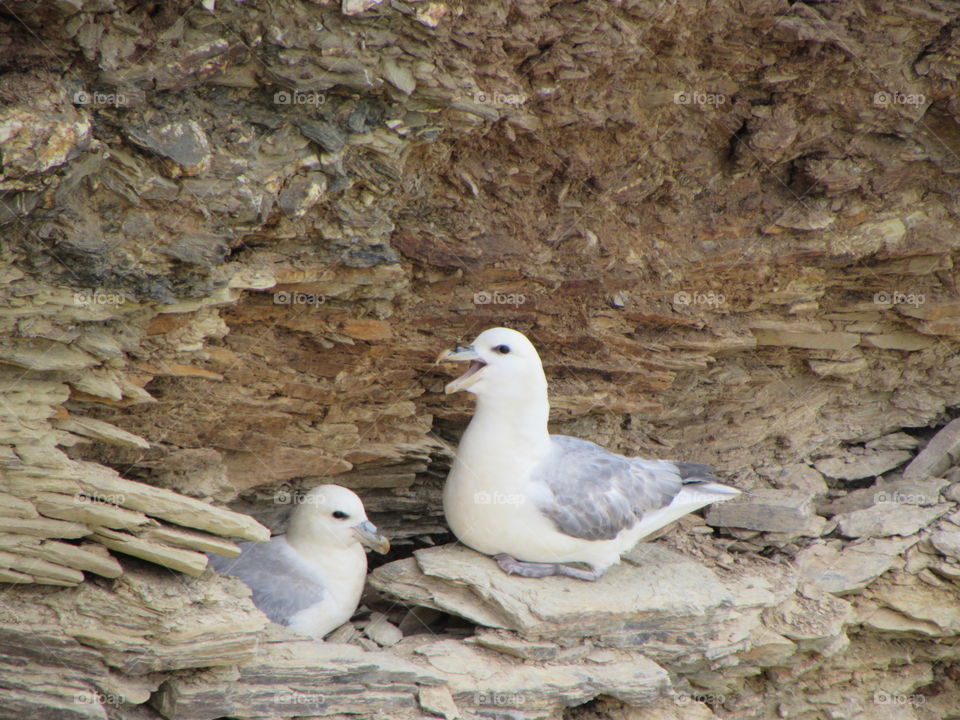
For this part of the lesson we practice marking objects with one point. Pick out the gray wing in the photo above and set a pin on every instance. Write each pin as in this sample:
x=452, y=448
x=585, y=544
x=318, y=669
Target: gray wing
x=594, y=494
x=281, y=587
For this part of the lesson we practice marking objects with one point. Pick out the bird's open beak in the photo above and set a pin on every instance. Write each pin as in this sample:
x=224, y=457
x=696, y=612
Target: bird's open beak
x=462, y=354
x=368, y=534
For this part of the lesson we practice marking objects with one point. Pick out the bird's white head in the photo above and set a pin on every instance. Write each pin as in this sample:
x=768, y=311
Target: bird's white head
x=503, y=364
x=333, y=516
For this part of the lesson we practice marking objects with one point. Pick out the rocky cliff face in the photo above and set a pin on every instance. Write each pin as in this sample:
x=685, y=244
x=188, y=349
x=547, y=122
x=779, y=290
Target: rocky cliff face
x=237, y=234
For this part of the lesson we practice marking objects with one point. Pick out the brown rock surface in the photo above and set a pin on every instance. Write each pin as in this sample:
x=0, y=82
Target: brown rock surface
x=237, y=235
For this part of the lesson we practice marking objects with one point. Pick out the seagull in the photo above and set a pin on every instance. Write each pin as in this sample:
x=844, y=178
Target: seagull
x=536, y=501
x=311, y=578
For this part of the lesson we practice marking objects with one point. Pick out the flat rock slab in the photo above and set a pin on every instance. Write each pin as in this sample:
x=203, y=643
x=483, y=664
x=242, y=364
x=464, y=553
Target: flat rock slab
x=931, y=610
x=947, y=542
x=484, y=682
x=292, y=675
x=782, y=511
x=657, y=600
x=858, y=466
x=902, y=492
x=941, y=452
x=888, y=519
x=813, y=619
x=851, y=569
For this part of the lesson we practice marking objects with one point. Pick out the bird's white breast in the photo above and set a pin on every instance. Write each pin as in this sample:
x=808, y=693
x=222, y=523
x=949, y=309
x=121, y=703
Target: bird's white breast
x=491, y=505
x=342, y=571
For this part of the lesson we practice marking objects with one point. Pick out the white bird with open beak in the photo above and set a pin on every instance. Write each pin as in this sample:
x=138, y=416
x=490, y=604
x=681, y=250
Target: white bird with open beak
x=311, y=578
x=536, y=501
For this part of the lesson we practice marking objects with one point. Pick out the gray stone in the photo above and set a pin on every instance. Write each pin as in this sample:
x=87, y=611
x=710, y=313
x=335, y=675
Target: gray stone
x=485, y=683
x=327, y=135
x=910, y=491
x=947, y=542
x=301, y=193
x=182, y=142
x=851, y=569
x=382, y=631
x=953, y=492
x=863, y=464
x=780, y=511
x=941, y=452
x=668, y=605
x=928, y=610
x=292, y=673
x=798, y=476
x=811, y=618
x=900, y=492
x=894, y=441
x=889, y=519
x=437, y=700
x=355, y=7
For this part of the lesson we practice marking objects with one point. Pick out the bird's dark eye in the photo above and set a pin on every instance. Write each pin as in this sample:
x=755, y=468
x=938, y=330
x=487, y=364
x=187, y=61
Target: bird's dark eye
x=340, y=515
x=502, y=349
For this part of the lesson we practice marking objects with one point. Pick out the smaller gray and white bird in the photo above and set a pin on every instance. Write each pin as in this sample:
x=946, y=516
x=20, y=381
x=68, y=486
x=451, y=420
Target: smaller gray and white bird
x=536, y=501
x=311, y=578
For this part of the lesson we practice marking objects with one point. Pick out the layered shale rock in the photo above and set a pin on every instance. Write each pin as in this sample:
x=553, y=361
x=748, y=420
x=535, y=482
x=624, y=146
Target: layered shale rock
x=237, y=235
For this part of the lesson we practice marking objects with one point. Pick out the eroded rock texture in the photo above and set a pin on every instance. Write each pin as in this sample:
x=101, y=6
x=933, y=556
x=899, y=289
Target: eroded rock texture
x=236, y=235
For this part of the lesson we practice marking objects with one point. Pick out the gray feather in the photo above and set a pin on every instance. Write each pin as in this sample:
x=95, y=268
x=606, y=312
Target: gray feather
x=281, y=587
x=596, y=494
x=691, y=472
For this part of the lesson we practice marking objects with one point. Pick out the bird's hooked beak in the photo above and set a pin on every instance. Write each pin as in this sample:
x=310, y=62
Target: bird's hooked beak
x=368, y=535
x=462, y=354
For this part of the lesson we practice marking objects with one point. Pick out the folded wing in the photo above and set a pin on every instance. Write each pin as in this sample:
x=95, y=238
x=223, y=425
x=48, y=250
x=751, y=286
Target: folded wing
x=595, y=494
x=281, y=583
